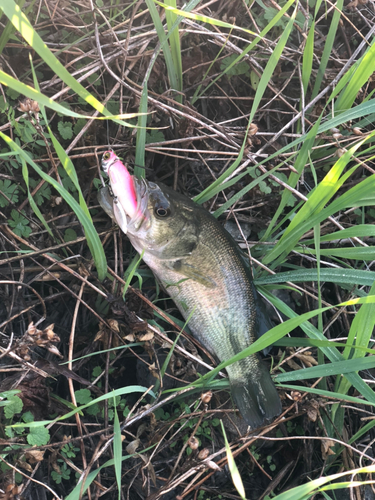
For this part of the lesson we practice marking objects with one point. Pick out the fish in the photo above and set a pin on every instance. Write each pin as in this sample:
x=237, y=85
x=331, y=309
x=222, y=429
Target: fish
x=202, y=269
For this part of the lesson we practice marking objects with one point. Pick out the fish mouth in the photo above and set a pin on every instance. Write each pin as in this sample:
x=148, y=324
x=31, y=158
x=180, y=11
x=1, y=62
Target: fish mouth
x=138, y=218
x=142, y=218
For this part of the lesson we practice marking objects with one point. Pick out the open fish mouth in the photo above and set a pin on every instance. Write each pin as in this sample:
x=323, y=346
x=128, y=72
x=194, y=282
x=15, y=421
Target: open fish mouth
x=129, y=204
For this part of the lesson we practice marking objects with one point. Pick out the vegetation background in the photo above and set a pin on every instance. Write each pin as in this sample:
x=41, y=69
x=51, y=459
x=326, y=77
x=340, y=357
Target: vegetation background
x=263, y=112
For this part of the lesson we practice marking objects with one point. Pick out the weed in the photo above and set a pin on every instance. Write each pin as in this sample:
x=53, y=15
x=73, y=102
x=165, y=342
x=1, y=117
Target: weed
x=8, y=193
x=20, y=224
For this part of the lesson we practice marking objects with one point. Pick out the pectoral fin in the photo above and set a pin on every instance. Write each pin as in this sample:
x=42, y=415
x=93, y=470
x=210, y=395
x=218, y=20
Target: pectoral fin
x=191, y=272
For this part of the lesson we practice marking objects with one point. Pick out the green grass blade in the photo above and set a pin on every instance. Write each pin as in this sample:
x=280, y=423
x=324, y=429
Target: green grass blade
x=69, y=168
x=271, y=65
x=93, y=240
x=329, y=369
x=131, y=271
x=359, y=231
x=163, y=369
x=251, y=45
x=22, y=24
x=299, y=165
x=313, y=212
x=306, y=342
x=358, y=253
x=306, y=490
x=173, y=79
x=328, y=47
x=359, y=77
x=117, y=449
x=360, y=333
x=78, y=490
x=330, y=352
x=234, y=472
x=63, y=157
x=330, y=275
x=327, y=394
x=34, y=206
x=9, y=28
x=203, y=19
x=139, y=170
x=174, y=41
x=114, y=394
x=361, y=328
x=42, y=99
x=307, y=60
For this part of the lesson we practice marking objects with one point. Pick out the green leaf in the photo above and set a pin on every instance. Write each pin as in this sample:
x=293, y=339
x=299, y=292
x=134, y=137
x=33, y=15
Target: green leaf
x=56, y=477
x=43, y=194
x=307, y=60
x=154, y=136
x=13, y=405
x=38, y=436
x=83, y=396
x=10, y=190
x=254, y=80
x=28, y=417
x=81, y=122
x=65, y=129
x=19, y=223
x=70, y=235
x=11, y=93
x=242, y=68
x=270, y=13
x=3, y=105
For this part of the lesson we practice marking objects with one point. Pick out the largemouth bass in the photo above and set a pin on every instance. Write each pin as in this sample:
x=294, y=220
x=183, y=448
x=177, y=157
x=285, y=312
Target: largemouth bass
x=202, y=269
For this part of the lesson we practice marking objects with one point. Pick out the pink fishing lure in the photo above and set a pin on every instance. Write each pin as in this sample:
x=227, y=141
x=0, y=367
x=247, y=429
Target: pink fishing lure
x=122, y=183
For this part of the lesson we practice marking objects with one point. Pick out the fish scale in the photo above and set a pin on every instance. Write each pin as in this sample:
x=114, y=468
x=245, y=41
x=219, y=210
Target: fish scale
x=201, y=268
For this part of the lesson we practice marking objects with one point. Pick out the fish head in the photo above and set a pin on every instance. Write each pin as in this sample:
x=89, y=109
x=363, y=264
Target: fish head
x=164, y=225
x=157, y=220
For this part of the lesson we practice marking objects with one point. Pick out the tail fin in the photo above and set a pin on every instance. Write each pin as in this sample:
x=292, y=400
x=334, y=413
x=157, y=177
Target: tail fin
x=255, y=395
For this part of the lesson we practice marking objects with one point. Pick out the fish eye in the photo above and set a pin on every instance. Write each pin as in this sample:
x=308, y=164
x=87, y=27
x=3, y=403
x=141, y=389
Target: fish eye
x=162, y=212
